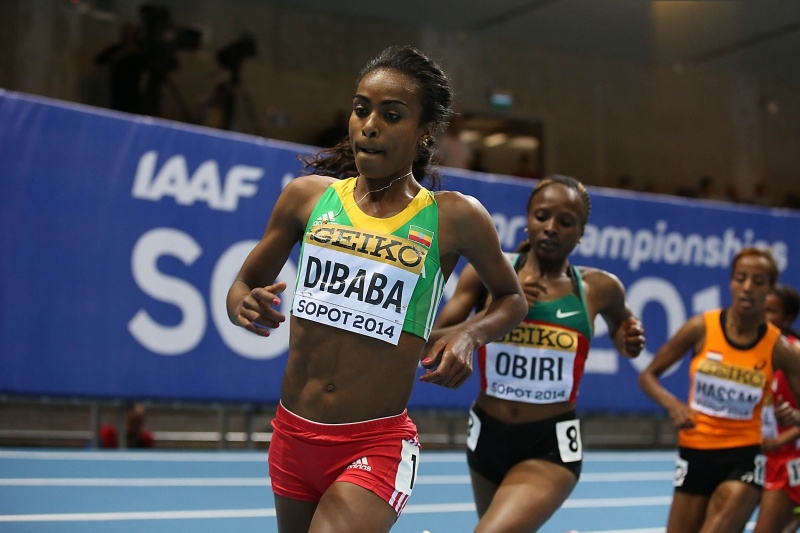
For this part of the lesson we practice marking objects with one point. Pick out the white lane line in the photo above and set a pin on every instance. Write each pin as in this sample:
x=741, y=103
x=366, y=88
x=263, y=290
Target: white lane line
x=596, y=477
x=748, y=527
x=590, y=503
x=148, y=515
x=639, y=530
x=629, y=457
x=114, y=455
x=265, y=482
x=633, y=456
x=432, y=508
x=137, y=482
x=269, y=512
x=604, y=477
x=261, y=456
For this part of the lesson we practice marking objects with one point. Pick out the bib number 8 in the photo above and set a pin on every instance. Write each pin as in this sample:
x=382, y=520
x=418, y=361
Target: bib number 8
x=568, y=433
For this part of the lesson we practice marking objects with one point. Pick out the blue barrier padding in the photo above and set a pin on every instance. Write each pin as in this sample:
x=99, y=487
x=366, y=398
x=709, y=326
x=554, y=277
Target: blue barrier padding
x=120, y=235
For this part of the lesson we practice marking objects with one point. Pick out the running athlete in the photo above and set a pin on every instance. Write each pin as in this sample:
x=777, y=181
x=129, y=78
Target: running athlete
x=781, y=443
x=720, y=469
x=524, y=445
x=376, y=250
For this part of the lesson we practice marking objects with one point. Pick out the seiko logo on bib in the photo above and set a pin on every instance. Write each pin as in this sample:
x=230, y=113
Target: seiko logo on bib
x=387, y=248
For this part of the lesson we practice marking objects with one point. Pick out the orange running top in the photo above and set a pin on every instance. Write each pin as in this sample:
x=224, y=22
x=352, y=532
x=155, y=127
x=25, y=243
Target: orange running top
x=727, y=388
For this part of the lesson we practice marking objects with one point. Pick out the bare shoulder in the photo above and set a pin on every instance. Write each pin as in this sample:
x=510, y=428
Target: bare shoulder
x=304, y=190
x=695, y=327
x=456, y=207
x=311, y=184
x=455, y=199
x=466, y=228
x=785, y=347
x=296, y=203
x=600, y=280
x=463, y=221
x=596, y=274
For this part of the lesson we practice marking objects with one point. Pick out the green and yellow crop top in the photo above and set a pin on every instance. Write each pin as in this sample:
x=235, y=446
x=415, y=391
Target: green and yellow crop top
x=372, y=276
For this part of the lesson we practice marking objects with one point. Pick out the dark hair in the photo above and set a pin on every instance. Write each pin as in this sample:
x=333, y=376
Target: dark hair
x=573, y=184
x=790, y=300
x=437, y=97
x=764, y=253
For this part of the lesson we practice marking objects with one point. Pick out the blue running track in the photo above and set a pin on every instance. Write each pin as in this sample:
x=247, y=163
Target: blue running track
x=84, y=491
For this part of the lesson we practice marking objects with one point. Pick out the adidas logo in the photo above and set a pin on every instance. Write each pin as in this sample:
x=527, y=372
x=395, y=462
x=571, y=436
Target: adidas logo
x=325, y=218
x=361, y=464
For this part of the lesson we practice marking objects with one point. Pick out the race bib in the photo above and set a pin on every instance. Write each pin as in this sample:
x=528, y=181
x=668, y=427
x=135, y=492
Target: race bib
x=357, y=280
x=534, y=363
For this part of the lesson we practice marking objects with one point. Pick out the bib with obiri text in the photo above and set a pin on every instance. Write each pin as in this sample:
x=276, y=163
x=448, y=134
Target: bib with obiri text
x=534, y=363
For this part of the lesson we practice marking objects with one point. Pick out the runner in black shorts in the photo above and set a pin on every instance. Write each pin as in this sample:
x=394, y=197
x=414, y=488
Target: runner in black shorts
x=524, y=446
x=702, y=471
x=494, y=447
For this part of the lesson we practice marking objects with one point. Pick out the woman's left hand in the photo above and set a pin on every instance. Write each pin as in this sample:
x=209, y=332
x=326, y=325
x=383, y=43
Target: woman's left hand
x=633, y=336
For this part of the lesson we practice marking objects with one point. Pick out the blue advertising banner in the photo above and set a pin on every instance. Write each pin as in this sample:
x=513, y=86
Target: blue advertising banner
x=120, y=235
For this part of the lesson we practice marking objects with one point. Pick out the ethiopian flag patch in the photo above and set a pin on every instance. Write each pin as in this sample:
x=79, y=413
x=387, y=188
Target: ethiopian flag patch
x=420, y=236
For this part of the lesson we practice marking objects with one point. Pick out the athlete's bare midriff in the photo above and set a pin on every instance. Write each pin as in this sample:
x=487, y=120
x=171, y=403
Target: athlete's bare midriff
x=511, y=412
x=335, y=377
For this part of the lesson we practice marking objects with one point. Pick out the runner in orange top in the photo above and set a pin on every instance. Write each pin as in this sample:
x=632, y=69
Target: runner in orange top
x=720, y=468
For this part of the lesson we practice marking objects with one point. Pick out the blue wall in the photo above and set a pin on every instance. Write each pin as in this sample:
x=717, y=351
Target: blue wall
x=120, y=235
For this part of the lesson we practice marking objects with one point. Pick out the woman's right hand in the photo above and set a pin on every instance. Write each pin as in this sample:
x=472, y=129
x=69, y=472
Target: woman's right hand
x=258, y=311
x=533, y=289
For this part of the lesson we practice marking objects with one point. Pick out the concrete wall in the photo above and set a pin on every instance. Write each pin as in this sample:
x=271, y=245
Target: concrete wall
x=602, y=117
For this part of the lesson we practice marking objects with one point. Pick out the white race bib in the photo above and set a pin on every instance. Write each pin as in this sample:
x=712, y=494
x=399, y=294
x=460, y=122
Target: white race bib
x=357, y=280
x=532, y=364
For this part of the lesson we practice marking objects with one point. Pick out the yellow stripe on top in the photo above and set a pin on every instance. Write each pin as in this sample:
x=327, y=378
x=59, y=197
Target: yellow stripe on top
x=345, y=188
x=388, y=249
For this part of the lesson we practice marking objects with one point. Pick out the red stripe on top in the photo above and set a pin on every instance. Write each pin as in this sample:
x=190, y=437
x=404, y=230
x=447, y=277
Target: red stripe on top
x=420, y=240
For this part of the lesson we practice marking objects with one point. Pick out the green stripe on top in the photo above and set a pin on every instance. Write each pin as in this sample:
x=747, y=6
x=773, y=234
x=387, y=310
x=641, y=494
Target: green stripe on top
x=569, y=311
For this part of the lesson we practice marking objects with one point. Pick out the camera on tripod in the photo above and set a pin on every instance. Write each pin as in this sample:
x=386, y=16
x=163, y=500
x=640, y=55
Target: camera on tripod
x=161, y=38
x=233, y=55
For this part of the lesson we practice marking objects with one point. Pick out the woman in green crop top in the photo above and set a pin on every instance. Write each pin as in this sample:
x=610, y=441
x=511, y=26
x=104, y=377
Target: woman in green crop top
x=376, y=250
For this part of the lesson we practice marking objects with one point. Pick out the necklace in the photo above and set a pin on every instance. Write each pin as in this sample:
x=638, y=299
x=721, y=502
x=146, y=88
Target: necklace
x=369, y=192
x=381, y=189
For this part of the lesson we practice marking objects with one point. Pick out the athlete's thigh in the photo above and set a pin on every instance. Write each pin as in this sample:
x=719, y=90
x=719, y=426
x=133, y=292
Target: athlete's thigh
x=482, y=490
x=528, y=496
x=348, y=507
x=687, y=512
x=294, y=516
x=775, y=512
x=730, y=507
